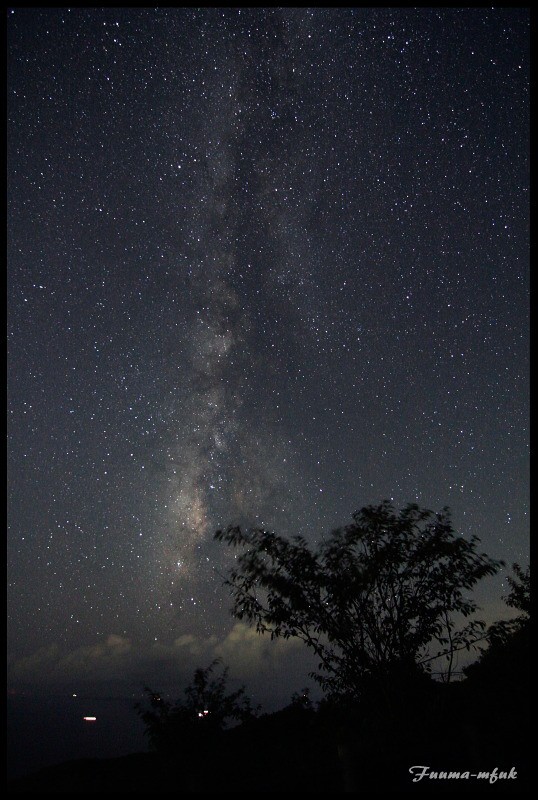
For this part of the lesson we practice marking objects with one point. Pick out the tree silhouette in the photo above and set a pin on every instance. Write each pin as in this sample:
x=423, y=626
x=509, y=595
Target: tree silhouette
x=506, y=657
x=497, y=688
x=377, y=601
x=520, y=593
x=204, y=714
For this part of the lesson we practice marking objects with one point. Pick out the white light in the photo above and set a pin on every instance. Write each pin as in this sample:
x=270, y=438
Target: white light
x=90, y=719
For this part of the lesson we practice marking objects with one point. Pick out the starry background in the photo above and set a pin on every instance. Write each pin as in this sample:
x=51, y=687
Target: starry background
x=264, y=267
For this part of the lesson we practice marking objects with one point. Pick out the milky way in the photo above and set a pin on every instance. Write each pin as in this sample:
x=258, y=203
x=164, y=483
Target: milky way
x=265, y=267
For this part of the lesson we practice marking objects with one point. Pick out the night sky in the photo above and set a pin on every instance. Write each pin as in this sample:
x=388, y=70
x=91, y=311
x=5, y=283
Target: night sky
x=264, y=267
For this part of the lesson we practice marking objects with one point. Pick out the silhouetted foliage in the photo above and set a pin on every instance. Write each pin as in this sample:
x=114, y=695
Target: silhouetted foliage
x=509, y=640
x=206, y=711
x=520, y=590
x=518, y=597
x=498, y=685
x=302, y=700
x=377, y=601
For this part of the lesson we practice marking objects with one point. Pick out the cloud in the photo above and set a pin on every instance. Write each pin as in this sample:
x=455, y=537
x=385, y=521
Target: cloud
x=252, y=659
x=95, y=661
x=38, y=663
x=194, y=645
x=249, y=652
x=119, y=643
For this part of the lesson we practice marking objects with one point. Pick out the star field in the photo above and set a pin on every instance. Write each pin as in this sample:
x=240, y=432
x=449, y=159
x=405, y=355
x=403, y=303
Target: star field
x=265, y=266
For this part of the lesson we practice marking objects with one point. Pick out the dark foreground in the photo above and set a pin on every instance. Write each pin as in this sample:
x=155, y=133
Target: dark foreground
x=303, y=750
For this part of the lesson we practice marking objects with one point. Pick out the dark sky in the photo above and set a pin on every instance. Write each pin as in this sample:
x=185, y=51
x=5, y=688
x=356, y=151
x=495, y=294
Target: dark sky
x=264, y=267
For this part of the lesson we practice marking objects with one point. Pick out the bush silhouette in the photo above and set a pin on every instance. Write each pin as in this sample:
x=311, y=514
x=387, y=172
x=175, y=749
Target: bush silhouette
x=202, y=716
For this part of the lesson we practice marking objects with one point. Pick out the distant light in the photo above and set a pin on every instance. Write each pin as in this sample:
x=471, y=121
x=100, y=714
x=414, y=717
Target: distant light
x=90, y=719
x=74, y=695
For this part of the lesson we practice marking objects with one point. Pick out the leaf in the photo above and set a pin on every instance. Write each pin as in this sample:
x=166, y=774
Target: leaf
x=375, y=593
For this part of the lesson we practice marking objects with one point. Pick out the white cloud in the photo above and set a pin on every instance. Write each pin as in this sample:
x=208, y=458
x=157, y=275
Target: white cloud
x=94, y=661
x=279, y=666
